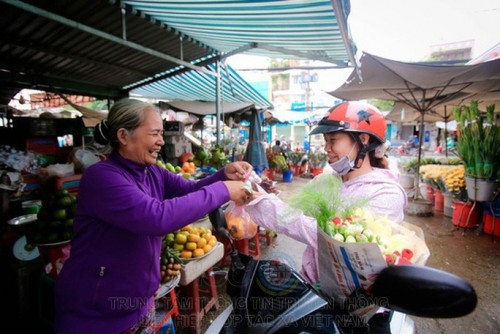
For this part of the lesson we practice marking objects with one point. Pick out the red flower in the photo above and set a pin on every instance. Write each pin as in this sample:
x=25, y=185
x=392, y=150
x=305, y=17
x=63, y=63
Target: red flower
x=407, y=254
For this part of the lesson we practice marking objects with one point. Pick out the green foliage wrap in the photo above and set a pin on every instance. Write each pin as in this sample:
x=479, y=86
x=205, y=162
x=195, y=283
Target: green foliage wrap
x=321, y=199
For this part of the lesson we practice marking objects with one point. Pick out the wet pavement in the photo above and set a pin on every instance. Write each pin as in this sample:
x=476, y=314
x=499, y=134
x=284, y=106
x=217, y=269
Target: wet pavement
x=469, y=254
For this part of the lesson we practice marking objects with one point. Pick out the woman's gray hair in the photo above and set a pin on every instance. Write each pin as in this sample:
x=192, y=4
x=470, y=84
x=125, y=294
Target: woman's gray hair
x=127, y=114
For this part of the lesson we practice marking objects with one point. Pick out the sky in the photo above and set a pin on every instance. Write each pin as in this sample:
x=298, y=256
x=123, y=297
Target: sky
x=405, y=30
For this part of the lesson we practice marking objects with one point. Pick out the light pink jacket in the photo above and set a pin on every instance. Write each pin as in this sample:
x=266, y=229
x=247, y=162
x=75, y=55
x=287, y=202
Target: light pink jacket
x=380, y=187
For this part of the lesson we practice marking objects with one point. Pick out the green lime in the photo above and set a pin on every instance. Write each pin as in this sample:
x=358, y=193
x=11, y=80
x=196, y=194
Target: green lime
x=68, y=222
x=64, y=202
x=170, y=239
x=62, y=193
x=59, y=214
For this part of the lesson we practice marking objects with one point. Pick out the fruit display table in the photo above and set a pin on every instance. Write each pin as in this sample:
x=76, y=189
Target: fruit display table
x=192, y=273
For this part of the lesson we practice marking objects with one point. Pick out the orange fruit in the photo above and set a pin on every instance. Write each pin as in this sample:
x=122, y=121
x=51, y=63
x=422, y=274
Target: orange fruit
x=190, y=246
x=236, y=227
x=207, y=248
x=201, y=243
x=186, y=254
x=186, y=228
x=213, y=241
x=193, y=237
x=198, y=252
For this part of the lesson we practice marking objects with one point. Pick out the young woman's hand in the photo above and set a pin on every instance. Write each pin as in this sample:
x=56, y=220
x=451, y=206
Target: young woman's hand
x=238, y=170
x=238, y=192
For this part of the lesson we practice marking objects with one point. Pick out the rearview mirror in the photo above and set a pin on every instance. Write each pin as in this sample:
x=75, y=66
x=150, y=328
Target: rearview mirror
x=218, y=220
x=425, y=292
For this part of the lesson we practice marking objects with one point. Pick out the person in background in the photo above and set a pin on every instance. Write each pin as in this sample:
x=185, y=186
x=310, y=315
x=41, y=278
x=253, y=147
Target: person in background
x=126, y=204
x=450, y=143
x=285, y=145
x=276, y=149
x=355, y=142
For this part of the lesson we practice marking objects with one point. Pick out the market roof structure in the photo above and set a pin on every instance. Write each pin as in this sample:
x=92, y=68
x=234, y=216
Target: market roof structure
x=198, y=86
x=108, y=48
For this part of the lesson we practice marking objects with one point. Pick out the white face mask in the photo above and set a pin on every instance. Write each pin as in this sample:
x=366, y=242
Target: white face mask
x=343, y=165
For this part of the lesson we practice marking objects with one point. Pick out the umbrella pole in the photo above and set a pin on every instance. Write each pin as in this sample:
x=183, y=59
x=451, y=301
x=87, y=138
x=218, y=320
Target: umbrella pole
x=445, y=132
x=218, y=104
x=421, y=138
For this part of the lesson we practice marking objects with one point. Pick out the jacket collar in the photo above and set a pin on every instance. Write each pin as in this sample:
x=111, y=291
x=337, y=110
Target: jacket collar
x=137, y=170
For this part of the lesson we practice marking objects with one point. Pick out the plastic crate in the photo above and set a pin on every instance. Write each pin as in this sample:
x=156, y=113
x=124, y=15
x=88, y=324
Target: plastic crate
x=71, y=183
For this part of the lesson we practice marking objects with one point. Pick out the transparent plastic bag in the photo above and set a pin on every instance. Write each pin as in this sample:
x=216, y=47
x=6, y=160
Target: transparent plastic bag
x=239, y=223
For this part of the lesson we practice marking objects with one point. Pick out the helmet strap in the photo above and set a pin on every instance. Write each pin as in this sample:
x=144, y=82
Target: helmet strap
x=363, y=150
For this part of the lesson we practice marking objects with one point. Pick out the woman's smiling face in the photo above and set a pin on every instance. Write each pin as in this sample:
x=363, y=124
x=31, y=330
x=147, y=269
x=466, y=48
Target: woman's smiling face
x=339, y=144
x=143, y=144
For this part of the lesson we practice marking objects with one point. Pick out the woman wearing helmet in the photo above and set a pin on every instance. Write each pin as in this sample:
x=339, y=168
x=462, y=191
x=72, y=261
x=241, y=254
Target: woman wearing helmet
x=359, y=128
x=355, y=142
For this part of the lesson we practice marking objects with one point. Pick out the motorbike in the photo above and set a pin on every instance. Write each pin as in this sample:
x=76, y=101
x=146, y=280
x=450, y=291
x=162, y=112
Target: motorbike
x=269, y=296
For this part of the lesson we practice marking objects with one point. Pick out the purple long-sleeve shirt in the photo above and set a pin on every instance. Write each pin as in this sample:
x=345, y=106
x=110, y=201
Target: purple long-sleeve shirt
x=380, y=187
x=124, y=209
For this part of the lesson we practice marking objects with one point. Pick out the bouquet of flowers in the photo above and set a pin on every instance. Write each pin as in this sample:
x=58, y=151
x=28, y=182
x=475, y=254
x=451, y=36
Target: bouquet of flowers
x=455, y=183
x=355, y=245
x=434, y=175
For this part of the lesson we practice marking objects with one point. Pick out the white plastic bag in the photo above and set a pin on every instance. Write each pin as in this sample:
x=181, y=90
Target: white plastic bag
x=86, y=157
x=61, y=169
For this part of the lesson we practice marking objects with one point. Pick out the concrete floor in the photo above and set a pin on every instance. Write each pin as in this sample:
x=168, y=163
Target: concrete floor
x=469, y=254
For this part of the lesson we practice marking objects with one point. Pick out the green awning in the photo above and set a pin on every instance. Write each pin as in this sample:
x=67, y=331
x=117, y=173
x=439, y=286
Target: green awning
x=198, y=86
x=311, y=29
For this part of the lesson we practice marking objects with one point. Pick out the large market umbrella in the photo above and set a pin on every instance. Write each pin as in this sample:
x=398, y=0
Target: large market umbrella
x=255, y=153
x=420, y=86
x=403, y=113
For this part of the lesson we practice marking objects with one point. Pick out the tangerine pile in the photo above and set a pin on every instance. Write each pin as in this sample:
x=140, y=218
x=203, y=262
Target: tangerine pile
x=192, y=241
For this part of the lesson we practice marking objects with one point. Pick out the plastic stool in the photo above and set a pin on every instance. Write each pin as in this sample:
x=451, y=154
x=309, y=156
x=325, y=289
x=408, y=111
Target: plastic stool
x=243, y=246
x=164, y=323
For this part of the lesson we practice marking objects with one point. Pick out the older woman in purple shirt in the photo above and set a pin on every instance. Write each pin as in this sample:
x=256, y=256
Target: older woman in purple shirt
x=126, y=204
